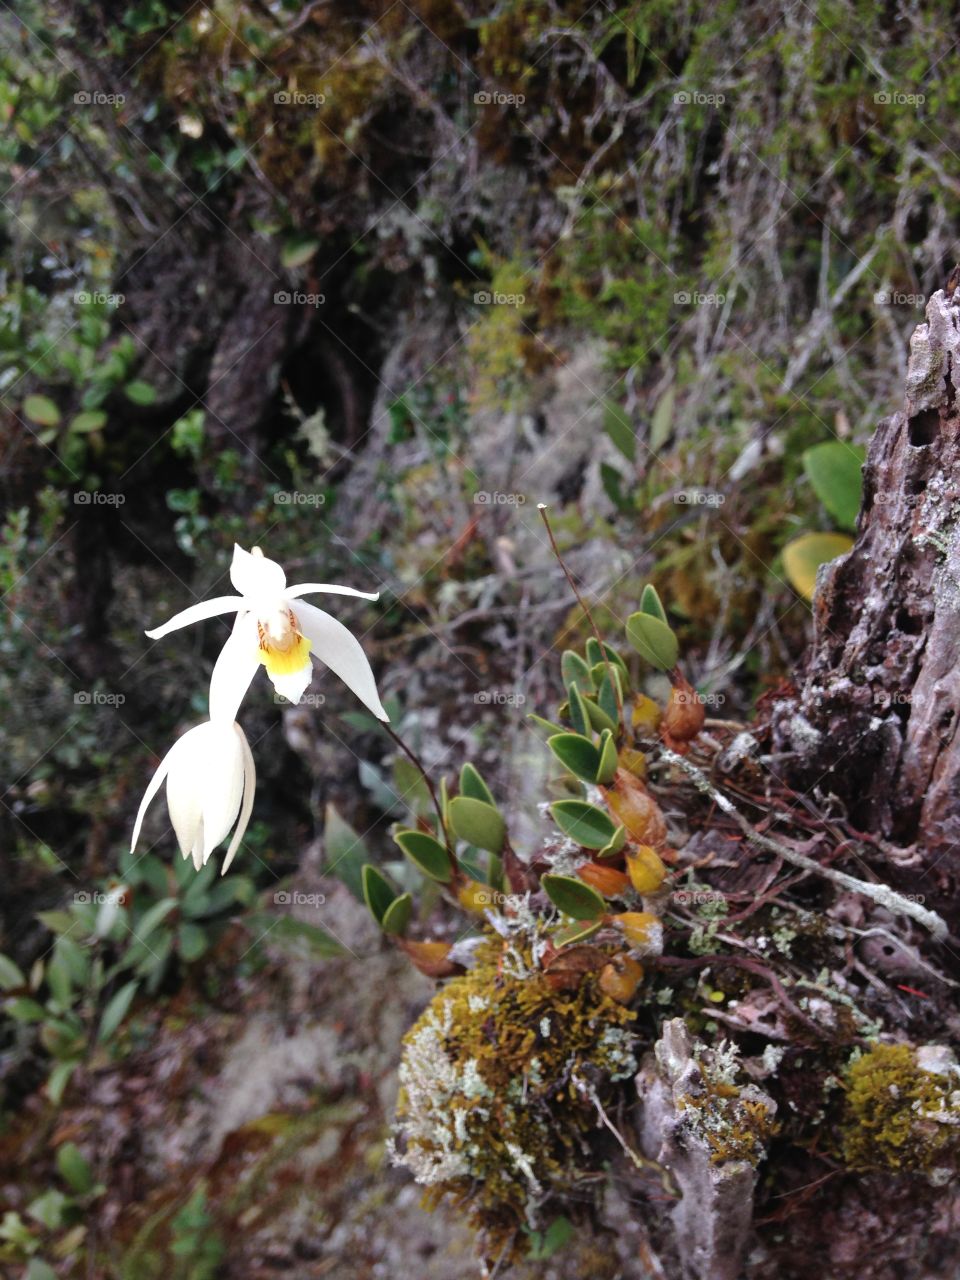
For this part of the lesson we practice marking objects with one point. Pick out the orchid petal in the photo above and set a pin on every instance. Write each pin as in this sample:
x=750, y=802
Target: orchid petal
x=292, y=685
x=153, y=787
x=246, y=808
x=234, y=670
x=328, y=588
x=339, y=649
x=256, y=577
x=198, y=613
x=204, y=786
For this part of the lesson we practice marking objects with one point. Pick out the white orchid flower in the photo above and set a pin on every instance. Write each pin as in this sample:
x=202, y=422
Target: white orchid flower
x=274, y=626
x=210, y=778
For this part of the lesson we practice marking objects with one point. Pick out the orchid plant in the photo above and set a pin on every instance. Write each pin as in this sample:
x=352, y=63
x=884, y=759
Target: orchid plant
x=210, y=772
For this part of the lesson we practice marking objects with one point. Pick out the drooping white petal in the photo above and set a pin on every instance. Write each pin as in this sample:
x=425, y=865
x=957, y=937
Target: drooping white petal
x=333, y=644
x=249, y=786
x=256, y=577
x=197, y=613
x=235, y=667
x=329, y=588
x=204, y=788
x=152, y=788
x=292, y=685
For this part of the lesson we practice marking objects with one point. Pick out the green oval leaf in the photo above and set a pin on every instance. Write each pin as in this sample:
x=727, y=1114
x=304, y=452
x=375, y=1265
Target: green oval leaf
x=619, y=429
x=650, y=603
x=377, y=893
x=607, y=767
x=140, y=392
x=598, y=717
x=578, y=932
x=10, y=975
x=576, y=753
x=583, y=822
x=117, y=1008
x=473, y=785
x=298, y=250
x=546, y=725
x=835, y=472
x=478, y=823
x=573, y=668
x=804, y=556
x=653, y=640
x=92, y=420
x=74, y=1169
x=396, y=918
x=603, y=655
x=573, y=897
x=41, y=410
x=427, y=854
x=577, y=712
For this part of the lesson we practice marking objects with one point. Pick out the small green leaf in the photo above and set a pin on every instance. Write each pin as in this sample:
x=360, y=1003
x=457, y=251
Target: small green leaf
x=662, y=421
x=74, y=1169
x=140, y=392
x=599, y=720
x=477, y=823
x=377, y=893
x=57, y=921
x=578, y=714
x=152, y=917
x=576, y=753
x=608, y=758
x=653, y=640
x=834, y=469
x=619, y=430
x=472, y=784
x=91, y=420
x=573, y=668
x=58, y=1080
x=573, y=897
x=42, y=411
x=116, y=1009
x=650, y=603
x=345, y=851
x=597, y=655
x=10, y=975
x=23, y=1009
x=192, y=941
x=296, y=936
x=48, y=1209
x=607, y=695
x=546, y=725
x=804, y=556
x=585, y=823
x=578, y=932
x=298, y=250
x=427, y=854
x=396, y=918
x=616, y=844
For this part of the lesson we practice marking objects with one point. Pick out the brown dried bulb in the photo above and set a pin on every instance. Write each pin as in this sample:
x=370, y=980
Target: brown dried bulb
x=620, y=978
x=684, y=716
x=635, y=808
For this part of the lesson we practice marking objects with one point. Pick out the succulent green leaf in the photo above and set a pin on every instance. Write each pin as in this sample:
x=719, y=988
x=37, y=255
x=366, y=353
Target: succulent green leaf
x=140, y=392
x=427, y=854
x=478, y=823
x=596, y=654
x=573, y=668
x=834, y=469
x=578, y=932
x=577, y=709
x=585, y=823
x=608, y=758
x=345, y=851
x=598, y=717
x=10, y=975
x=397, y=916
x=616, y=844
x=651, y=603
x=546, y=725
x=42, y=411
x=377, y=893
x=472, y=784
x=619, y=429
x=576, y=753
x=117, y=1008
x=653, y=640
x=74, y=1169
x=662, y=421
x=91, y=420
x=573, y=897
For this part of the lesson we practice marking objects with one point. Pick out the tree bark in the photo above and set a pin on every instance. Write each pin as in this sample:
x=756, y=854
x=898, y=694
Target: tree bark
x=874, y=721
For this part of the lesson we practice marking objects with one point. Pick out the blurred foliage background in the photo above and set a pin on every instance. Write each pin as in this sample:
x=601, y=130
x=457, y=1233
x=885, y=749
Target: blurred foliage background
x=363, y=283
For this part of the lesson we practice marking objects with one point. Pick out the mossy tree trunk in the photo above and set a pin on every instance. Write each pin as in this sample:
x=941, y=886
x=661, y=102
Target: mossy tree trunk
x=874, y=719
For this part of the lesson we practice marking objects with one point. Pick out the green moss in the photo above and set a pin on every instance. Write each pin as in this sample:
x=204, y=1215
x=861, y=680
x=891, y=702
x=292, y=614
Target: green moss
x=501, y=1080
x=899, y=1116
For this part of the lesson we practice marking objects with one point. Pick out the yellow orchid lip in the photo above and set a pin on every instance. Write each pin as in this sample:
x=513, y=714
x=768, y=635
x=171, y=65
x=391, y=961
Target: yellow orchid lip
x=289, y=653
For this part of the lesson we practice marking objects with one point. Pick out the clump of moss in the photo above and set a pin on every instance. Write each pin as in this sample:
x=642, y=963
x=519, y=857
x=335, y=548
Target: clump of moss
x=898, y=1115
x=736, y=1122
x=502, y=1082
